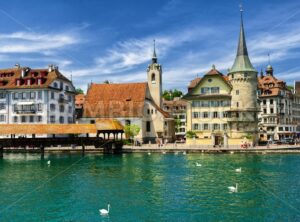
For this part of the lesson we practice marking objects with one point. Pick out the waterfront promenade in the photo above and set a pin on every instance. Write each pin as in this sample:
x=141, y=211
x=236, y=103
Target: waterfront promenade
x=168, y=148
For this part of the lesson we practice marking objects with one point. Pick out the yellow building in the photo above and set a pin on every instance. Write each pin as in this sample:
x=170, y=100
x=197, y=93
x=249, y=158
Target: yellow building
x=222, y=109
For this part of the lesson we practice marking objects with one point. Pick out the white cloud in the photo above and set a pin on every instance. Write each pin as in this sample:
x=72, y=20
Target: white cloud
x=30, y=42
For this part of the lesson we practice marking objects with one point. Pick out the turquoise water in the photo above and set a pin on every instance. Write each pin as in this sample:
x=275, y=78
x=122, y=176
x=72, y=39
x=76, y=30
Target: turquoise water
x=155, y=187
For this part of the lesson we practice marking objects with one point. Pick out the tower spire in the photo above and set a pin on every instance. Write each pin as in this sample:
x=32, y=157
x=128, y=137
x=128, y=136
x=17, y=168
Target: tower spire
x=154, y=57
x=242, y=62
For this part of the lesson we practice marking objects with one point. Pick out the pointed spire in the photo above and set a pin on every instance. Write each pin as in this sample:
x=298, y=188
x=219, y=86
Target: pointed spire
x=242, y=62
x=242, y=47
x=154, y=57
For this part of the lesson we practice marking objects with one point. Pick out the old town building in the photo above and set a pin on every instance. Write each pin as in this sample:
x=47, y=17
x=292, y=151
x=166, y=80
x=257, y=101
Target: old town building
x=132, y=103
x=223, y=109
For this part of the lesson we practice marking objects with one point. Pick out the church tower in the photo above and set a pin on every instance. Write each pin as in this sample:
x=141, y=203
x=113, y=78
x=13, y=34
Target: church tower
x=244, y=107
x=154, y=73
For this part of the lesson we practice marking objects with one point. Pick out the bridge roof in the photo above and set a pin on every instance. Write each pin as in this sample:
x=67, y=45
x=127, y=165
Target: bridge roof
x=101, y=125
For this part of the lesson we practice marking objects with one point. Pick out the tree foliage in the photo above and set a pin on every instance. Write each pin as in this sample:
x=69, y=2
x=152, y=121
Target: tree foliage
x=171, y=94
x=79, y=91
x=191, y=134
x=131, y=130
x=177, y=124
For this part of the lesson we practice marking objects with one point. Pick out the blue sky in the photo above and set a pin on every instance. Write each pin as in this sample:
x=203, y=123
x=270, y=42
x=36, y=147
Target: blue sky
x=112, y=40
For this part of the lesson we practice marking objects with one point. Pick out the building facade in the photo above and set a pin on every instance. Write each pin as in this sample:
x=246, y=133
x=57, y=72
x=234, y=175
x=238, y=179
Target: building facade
x=222, y=109
x=35, y=96
x=177, y=109
x=132, y=103
x=279, y=114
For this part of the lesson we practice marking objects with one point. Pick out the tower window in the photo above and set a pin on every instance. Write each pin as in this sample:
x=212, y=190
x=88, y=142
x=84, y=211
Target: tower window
x=153, y=78
x=237, y=92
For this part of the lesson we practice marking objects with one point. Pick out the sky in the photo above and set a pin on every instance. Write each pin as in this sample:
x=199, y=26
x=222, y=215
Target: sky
x=98, y=40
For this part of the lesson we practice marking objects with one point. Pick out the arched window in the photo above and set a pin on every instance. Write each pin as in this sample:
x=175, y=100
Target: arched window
x=153, y=78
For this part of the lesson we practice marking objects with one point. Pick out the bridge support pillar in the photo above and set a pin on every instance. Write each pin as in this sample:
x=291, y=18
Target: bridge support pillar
x=1, y=152
x=42, y=150
x=83, y=149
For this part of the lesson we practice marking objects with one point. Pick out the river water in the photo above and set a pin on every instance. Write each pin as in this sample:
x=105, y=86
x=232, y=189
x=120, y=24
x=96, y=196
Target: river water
x=156, y=187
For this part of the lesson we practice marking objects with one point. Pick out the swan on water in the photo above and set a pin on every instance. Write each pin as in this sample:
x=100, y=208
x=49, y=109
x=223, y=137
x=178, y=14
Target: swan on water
x=163, y=152
x=149, y=153
x=48, y=162
x=238, y=170
x=233, y=189
x=231, y=152
x=198, y=164
x=176, y=153
x=184, y=153
x=104, y=211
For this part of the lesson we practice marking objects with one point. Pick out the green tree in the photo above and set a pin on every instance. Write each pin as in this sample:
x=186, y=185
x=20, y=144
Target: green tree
x=107, y=82
x=177, y=124
x=79, y=91
x=190, y=134
x=131, y=130
x=171, y=94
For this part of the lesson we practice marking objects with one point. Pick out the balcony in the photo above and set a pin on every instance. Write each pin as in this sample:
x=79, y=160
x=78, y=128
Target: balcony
x=19, y=111
x=239, y=119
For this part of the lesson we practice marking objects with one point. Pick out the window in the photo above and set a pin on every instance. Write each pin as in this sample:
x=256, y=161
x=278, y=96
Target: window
x=23, y=119
x=70, y=120
x=24, y=95
x=265, y=110
x=70, y=109
x=215, y=90
x=205, y=90
x=39, y=94
x=216, y=126
x=151, y=111
x=215, y=114
x=15, y=96
x=52, y=95
x=2, y=106
x=61, y=108
x=52, y=119
x=205, y=114
x=39, y=119
x=40, y=107
x=61, y=119
x=195, y=126
x=69, y=98
x=195, y=115
x=31, y=119
x=2, y=95
x=237, y=92
x=271, y=110
x=237, y=104
x=67, y=88
x=225, y=126
x=55, y=85
x=148, y=126
x=15, y=119
x=271, y=101
x=32, y=95
x=153, y=78
x=237, y=115
x=245, y=75
x=209, y=80
x=205, y=126
x=148, y=111
x=264, y=102
x=52, y=107
x=225, y=114
x=2, y=118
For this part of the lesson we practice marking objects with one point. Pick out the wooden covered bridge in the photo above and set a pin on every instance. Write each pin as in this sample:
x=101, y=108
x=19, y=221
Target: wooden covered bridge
x=104, y=133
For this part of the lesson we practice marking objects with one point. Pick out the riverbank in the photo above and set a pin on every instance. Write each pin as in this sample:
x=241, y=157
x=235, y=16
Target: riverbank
x=169, y=148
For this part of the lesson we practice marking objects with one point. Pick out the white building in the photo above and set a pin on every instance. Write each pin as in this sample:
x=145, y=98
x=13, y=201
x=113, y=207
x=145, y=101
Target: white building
x=35, y=96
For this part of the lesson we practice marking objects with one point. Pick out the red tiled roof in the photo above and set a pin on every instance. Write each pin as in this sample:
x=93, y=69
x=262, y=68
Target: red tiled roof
x=271, y=86
x=115, y=100
x=9, y=77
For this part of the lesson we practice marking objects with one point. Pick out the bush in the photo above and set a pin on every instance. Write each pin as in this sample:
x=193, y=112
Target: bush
x=191, y=134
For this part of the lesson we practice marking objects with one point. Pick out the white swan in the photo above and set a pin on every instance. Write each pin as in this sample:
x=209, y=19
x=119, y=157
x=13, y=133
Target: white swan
x=198, y=164
x=176, y=153
x=238, y=170
x=48, y=162
x=184, y=153
x=231, y=152
x=163, y=152
x=104, y=211
x=149, y=153
x=233, y=189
